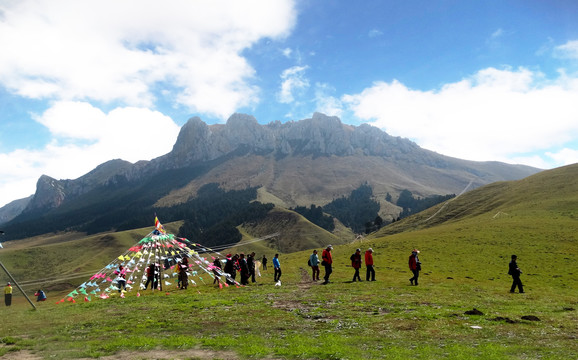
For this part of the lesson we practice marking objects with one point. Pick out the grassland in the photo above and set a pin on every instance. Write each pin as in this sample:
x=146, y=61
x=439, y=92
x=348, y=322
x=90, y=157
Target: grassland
x=465, y=250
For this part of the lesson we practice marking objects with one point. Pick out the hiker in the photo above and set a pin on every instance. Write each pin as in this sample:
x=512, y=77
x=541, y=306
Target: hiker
x=244, y=268
x=121, y=278
x=327, y=262
x=217, y=265
x=356, y=264
x=515, y=271
x=150, y=276
x=177, y=270
x=314, y=263
x=183, y=274
x=229, y=270
x=8, y=294
x=251, y=265
x=264, y=262
x=277, y=267
x=231, y=267
x=369, y=265
x=414, y=266
x=40, y=295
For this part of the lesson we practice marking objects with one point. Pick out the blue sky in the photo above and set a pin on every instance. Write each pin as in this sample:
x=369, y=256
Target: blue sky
x=83, y=82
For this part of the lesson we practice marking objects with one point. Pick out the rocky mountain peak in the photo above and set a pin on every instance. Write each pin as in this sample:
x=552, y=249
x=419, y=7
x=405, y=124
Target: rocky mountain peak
x=49, y=193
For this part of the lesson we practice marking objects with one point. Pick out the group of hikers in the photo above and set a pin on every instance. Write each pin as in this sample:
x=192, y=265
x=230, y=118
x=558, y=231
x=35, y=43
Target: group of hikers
x=356, y=263
x=247, y=267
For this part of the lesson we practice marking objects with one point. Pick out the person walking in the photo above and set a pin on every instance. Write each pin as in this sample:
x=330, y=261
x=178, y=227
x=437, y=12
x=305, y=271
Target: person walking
x=244, y=269
x=414, y=266
x=327, y=261
x=314, y=263
x=150, y=272
x=264, y=262
x=251, y=265
x=230, y=269
x=356, y=264
x=217, y=265
x=183, y=274
x=369, y=265
x=8, y=295
x=277, y=267
x=515, y=271
x=121, y=278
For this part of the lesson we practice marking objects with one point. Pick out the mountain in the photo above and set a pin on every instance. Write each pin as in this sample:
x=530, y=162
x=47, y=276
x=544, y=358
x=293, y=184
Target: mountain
x=298, y=163
x=13, y=209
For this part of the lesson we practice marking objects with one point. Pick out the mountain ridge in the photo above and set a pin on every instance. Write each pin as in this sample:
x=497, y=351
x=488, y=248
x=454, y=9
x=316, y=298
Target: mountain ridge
x=310, y=161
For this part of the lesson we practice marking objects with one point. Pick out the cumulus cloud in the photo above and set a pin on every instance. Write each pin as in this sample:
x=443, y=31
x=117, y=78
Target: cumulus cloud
x=496, y=114
x=121, y=51
x=83, y=138
x=293, y=81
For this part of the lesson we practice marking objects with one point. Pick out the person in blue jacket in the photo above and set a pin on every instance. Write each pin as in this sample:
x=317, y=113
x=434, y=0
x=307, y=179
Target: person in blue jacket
x=40, y=295
x=277, y=267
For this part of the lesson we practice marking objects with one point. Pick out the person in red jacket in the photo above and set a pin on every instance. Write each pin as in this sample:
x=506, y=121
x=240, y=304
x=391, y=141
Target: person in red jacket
x=369, y=265
x=327, y=262
x=356, y=264
x=414, y=266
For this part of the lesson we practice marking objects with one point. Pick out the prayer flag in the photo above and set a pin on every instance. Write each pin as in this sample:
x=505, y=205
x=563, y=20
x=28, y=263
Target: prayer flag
x=159, y=226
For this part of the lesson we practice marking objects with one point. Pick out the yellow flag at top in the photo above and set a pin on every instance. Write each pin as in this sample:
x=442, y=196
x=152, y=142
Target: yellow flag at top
x=159, y=226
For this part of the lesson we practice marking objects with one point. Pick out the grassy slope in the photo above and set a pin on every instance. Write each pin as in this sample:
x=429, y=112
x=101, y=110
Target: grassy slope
x=465, y=252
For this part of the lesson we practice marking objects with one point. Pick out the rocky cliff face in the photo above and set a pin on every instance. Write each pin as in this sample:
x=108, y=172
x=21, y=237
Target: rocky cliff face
x=320, y=136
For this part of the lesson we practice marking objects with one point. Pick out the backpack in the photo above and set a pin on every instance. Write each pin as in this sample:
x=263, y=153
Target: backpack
x=309, y=262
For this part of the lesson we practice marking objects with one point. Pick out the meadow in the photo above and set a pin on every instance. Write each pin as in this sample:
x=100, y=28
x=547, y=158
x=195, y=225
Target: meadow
x=465, y=258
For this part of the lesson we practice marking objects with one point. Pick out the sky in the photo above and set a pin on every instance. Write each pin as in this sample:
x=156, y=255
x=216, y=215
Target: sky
x=84, y=82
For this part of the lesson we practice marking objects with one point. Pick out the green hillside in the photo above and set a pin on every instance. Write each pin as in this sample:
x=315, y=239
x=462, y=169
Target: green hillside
x=465, y=247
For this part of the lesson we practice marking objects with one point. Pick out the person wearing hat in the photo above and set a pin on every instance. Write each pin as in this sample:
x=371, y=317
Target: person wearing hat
x=414, y=266
x=8, y=294
x=369, y=264
x=515, y=271
x=356, y=264
x=327, y=261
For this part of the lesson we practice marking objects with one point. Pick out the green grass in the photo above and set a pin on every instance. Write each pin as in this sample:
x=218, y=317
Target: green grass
x=465, y=259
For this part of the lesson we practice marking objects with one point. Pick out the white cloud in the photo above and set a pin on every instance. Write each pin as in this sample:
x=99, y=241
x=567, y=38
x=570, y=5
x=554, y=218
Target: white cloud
x=565, y=156
x=568, y=50
x=498, y=33
x=293, y=80
x=492, y=115
x=287, y=52
x=375, y=33
x=83, y=138
x=119, y=51
x=326, y=103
